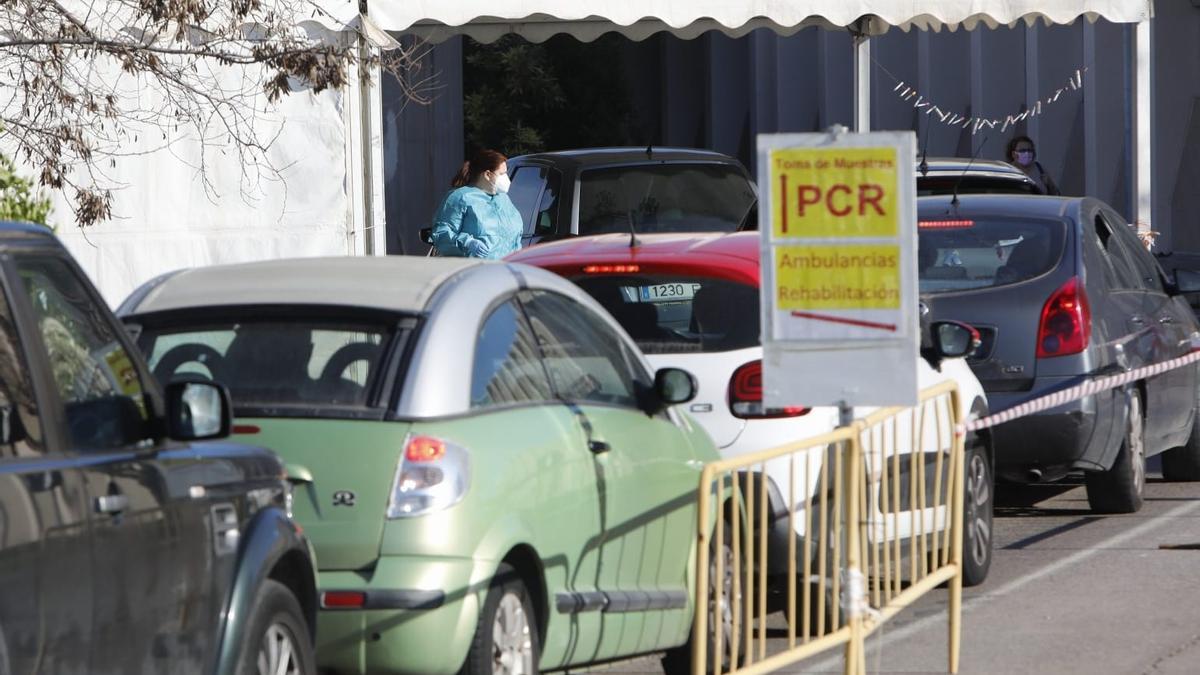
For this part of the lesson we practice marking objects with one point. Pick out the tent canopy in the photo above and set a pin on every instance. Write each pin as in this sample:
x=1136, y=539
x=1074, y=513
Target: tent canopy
x=537, y=20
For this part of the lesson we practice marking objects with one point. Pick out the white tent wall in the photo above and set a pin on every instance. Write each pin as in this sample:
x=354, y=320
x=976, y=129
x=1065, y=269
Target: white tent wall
x=166, y=218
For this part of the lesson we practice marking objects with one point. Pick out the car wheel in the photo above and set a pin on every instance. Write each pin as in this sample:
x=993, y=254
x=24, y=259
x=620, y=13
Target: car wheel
x=678, y=661
x=1183, y=463
x=278, y=641
x=1122, y=488
x=978, y=499
x=506, y=637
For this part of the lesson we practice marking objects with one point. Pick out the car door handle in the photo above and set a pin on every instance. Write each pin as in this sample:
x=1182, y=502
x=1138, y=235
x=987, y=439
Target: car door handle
x=598, y=446
x=1164, y=320
x=113, y=504
x=1137, y=320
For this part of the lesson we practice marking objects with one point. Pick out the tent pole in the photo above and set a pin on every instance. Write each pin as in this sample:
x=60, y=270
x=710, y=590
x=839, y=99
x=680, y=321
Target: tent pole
x=1143, y=211
x=862, y=81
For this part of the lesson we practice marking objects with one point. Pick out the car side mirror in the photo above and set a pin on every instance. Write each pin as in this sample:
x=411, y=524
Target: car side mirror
x=1187, y=281
x=197, y=410
x=427, y=235
x=672, y=386
x=952, y=339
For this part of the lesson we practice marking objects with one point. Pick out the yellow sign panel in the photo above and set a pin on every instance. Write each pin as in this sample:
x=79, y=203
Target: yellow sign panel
x=837, y=277
x=834, y=192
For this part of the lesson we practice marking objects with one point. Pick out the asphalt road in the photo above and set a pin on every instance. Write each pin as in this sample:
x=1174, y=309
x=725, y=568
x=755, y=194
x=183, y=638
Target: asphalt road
x=1069, y=592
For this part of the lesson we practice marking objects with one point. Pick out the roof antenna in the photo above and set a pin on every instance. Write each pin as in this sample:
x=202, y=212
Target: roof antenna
x=957, y=183
x=634, y=242
x=923, y=167
x=650, y=151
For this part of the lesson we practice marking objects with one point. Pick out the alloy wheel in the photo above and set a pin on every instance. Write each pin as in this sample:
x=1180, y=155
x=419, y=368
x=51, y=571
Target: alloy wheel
x=1137, y=445
x=979, y=493
x=512, y=646
x=277, y=653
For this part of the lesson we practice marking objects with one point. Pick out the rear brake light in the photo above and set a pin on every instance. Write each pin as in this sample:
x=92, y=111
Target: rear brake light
x=610, y=269
x=433, y=474
x=246, y=429
x=343, y=599
x=944, y=224
x=745, y=395
x=1066, y=324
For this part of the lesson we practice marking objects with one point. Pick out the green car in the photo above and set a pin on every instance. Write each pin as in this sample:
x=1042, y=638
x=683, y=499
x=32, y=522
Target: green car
x=492, y=477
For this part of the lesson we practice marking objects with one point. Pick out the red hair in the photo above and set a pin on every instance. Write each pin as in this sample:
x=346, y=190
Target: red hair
x=483, y=160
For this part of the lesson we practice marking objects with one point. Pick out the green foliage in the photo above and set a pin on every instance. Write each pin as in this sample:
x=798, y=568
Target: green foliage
x=520, y=97
x=19, y=200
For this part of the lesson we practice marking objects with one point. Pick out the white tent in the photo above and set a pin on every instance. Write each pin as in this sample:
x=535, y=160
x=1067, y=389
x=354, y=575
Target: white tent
x=537, y=20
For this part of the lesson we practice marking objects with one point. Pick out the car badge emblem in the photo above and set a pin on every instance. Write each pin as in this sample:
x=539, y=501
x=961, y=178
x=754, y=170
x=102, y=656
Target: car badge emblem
x=343, y=498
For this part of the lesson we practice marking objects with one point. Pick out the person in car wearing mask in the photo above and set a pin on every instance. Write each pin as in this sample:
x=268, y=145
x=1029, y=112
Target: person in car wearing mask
x=1023, y=155
x=476, y=218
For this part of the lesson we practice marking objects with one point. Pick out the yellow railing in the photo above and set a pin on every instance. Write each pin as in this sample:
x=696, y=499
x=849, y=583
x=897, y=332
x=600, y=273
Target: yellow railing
x=821, y=530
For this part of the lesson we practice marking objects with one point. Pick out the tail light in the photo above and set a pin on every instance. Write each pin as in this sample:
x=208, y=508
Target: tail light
x=433, y=475
x=1066, y=324
x=343, y=599
x=745, y=395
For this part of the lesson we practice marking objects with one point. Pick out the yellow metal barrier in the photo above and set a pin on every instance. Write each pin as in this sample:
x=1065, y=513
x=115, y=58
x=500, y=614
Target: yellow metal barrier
x=838, y=533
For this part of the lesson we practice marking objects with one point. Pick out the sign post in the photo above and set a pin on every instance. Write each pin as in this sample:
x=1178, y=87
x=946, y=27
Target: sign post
x=838, y=220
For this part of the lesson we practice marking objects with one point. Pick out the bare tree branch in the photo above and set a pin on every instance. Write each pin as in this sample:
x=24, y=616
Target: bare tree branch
x=85, y=81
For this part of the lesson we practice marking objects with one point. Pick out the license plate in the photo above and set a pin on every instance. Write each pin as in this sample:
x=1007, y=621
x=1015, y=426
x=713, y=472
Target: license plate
x=667, y=292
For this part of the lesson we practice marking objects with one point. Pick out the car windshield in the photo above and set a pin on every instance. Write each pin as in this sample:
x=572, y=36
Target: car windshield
x=668, y=314
x=673, y=197
x=956, y=254
x=273, y=365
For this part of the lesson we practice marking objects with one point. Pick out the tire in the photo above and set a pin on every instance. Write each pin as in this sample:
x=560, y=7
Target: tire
x=678, y=661
x=1122, y=488
x=278, y=639
x=978, y=501
x=506, y=637
x=1183, y=463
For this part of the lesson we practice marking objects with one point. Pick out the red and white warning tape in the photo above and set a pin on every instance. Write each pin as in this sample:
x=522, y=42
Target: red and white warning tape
x=1077, y=392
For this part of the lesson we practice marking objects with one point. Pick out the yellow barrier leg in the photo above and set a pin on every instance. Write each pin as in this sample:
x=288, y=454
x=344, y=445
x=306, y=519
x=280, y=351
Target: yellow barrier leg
x=957, y=546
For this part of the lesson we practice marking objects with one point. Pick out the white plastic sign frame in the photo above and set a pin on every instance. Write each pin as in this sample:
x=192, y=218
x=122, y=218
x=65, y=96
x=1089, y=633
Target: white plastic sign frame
x=838, y=223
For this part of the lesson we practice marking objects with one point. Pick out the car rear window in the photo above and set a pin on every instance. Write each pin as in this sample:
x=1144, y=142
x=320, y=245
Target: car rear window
x=964, y=253
x=666, y=314
x=674, y=197
x=273, y=365
x=944, y=185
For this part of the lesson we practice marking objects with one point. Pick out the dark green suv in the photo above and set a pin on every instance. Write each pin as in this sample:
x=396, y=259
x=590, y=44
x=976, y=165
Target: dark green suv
x=126, y=544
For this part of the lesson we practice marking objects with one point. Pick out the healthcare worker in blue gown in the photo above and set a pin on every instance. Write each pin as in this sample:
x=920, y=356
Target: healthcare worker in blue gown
x=477, y=219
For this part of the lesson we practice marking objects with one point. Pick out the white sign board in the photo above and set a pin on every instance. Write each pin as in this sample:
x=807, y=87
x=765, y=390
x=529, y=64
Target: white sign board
x=838, y=218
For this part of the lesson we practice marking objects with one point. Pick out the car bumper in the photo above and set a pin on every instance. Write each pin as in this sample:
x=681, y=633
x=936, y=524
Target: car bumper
x=419, y=616
x=1049, y=444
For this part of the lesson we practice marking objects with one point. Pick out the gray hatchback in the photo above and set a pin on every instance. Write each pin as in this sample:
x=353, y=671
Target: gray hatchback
x=1062, y=291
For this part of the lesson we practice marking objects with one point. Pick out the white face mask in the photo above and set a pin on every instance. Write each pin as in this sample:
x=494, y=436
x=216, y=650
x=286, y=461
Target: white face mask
x=501, y=183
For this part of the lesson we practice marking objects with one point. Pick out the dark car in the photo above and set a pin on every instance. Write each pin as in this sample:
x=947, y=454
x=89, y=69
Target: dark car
x=603, y=190
x=1062, y=291
x=961, y=175
x=128, y=545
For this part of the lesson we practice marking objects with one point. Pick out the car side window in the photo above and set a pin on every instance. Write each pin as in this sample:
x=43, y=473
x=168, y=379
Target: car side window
x=20, y=422
x=1126, y=277
x=526, y=188
x=1142, y=263
x=546, y=219
x=95, y=376
x=586, y=359
x=506, y=369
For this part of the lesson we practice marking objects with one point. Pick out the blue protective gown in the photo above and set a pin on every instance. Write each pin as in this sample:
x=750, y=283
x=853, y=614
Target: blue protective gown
x=470, y=213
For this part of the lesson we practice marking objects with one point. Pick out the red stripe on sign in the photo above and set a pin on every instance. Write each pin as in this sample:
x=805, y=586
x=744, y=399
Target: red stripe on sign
x=783, y=200
x=848, y=322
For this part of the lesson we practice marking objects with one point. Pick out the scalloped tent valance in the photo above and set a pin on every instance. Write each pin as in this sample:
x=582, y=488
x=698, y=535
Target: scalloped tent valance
x=537, y=20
